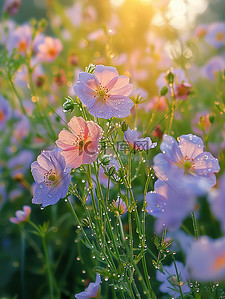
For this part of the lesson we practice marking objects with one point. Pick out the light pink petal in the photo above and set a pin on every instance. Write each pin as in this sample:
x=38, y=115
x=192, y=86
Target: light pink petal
x=191, y=145
x=122, y=87
x=14, y=220
x=78, y=127
x=44, y=160
x=58, y=45
x=49, y=41
x=73, y=159
x=66, y=139
x=105, y=74
x=91, y=152
x=27, y=210
x=95, y=131
x=20, y=215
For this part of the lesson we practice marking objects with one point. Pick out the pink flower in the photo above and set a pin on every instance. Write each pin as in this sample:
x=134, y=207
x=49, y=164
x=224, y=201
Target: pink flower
x=182, y=91
x=156, y=102
x=12, y=6
x=21, y=216
x=50, y=49
x=105, y=93
x=81, y=145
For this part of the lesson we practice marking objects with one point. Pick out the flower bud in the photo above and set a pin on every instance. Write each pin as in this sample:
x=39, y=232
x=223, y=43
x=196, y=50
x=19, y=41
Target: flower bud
x=124, y=126
x=68, y=106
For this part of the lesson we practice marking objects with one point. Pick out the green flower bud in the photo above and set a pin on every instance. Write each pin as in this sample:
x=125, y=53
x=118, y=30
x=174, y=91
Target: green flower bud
x=68, y=106
x=124, y=126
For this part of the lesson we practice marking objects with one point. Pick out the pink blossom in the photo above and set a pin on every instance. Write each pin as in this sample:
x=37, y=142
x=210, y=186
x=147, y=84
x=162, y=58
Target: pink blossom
x=81, y=145
x=105, y=93
x=49, y=50
x=182, y=91
x=21, y=215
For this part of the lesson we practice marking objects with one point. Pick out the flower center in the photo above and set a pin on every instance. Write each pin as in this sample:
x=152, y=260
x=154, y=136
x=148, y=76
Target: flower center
x=50, y=178
x=219, y=263
x=52, y=52
x=22, y=45
x=187, y=165
x=102, y=92
x=2, y=116
x=220, y=36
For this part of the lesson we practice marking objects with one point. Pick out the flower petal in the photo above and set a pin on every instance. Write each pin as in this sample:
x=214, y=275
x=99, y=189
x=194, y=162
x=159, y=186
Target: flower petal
x=105, y=74
x=85, y=94
x=121, y=87
x=206, y=164
x=170, y=148
x=191, y=145
x=102, y=110
x=121, y=105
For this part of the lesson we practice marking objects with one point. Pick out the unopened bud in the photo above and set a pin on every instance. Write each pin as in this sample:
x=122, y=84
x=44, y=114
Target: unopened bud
x=68, y=106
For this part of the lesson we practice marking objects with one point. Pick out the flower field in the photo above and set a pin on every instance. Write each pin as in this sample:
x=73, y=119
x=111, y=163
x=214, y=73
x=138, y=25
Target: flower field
x=112, y=149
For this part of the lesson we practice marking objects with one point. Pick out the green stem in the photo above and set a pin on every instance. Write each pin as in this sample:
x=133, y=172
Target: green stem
x=17, y=95
x=78, y=221
x=48, y=267
x=173, y=109
x=23, y=263
x=178, y=278
x=195, y=225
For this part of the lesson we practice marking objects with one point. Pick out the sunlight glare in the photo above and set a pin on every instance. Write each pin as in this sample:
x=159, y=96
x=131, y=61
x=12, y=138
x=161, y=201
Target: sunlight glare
x=117, y=2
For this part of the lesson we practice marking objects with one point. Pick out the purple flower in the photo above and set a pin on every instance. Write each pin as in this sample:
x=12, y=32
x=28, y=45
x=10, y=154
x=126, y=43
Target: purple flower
x=3, y=195
x=92, y=290
x=105, y=93
x=213, y=67
x=51, y=176
x=171, y=283
x=20, y=163
x=131, y=137
x=21, y=216
x=21, y=129
x=170, y=203
x=217, y=201
x=6, y=29
x=216, y=35
x=181, y=241
x=186, y=159
x=20, y=39
x=5, y=112
x=206, y=259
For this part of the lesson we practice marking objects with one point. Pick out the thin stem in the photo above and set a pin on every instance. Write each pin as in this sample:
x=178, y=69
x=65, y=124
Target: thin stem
x=178, y=278
x=153, y=115
x=17, y=95
x=23, y=262
x=48, y=267
x=173, y=108
x=78, y=221
x=195, y=225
